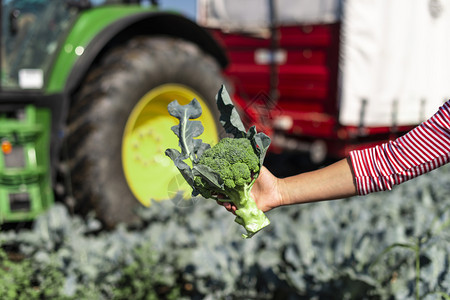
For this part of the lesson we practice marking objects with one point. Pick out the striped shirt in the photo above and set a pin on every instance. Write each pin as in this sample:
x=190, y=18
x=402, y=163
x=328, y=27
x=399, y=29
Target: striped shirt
x=421, y=150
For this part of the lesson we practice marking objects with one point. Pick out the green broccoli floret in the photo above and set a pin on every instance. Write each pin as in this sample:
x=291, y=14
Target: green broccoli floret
x=235, y=161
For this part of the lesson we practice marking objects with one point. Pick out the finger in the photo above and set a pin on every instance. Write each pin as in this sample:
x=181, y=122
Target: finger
x=227, y=205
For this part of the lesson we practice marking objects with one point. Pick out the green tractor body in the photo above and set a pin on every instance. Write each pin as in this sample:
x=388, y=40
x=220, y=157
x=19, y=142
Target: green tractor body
x=83, y=97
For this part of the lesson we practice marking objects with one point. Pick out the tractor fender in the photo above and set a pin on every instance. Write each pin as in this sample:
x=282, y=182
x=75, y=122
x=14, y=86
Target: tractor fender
x=97, y=29
x=148, y=23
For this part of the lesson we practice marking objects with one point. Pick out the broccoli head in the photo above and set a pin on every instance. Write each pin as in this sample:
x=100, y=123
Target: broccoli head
x=237, y=165
x=233, y=159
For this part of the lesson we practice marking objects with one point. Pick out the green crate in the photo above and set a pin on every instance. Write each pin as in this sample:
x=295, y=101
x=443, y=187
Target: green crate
x=20, y=203
x=25, y=185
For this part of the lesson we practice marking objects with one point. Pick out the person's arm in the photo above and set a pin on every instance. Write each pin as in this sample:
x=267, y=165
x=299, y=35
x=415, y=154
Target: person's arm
x=335, y=181
x=378, y=168
x=332, y=182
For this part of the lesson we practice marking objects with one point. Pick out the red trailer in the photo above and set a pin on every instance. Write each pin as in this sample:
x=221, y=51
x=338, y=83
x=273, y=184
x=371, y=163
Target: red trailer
x=329, y=76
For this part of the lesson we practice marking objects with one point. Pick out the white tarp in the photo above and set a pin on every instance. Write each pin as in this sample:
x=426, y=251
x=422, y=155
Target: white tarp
x=254, y=15
x=394, y=51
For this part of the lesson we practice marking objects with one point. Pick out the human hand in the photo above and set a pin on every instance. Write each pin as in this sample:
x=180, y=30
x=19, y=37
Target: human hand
x=266, y=192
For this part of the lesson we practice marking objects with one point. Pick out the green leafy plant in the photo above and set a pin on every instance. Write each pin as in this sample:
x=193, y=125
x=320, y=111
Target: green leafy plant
x=230, y=167
x=20, y=279
x=15, y=283
x=144, y=278
x=418, y=246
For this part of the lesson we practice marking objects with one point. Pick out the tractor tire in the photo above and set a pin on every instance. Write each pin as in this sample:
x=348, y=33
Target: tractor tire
x=109, y=155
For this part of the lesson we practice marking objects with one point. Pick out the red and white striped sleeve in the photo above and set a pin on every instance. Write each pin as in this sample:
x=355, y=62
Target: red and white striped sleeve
x=421, y=150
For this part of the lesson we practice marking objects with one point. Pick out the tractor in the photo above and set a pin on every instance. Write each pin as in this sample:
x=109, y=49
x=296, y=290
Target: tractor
x=83, y=104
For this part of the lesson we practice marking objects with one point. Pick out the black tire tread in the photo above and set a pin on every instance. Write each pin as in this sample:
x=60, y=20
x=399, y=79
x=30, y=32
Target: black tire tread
x=94, y=109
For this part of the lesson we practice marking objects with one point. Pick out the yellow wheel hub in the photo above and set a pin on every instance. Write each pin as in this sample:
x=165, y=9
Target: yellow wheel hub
x=150, y=174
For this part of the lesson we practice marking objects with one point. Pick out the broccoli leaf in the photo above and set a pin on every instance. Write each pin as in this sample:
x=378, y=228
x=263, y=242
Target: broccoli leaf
x=199, y=150
x=209, y=175
x=229, y=117
x=260, y=142
x=187, y=130
x=232, y=123
x=183, y=167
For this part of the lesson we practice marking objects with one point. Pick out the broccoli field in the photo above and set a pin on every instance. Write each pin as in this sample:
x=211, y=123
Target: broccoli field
x=389, y=245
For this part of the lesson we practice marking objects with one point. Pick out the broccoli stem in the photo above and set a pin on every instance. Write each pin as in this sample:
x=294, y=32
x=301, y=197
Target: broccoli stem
x=247, y=213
